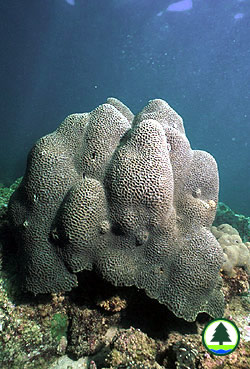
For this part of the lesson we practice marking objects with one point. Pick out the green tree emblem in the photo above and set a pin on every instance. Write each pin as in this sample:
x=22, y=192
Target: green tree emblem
x=220, y=334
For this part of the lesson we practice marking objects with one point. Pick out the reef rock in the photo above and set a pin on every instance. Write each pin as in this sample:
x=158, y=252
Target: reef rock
x=127, y=196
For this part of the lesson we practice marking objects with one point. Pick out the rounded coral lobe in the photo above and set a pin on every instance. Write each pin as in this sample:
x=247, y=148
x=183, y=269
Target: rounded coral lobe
x=125, y=195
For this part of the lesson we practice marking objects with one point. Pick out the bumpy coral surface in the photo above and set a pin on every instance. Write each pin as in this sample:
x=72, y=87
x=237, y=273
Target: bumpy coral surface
x=128, y=197
x=236, y=252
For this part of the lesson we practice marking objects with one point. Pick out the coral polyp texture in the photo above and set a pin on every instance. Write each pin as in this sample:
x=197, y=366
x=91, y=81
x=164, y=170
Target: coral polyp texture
x=126, y=196
x=236, y=252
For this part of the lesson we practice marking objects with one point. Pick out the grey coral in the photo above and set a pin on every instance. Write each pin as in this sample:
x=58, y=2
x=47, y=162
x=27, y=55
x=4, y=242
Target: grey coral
x=236, y=252
x=127, y=196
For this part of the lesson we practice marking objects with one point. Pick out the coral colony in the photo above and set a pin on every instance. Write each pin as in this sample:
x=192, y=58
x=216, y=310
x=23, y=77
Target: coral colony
x=127, y=196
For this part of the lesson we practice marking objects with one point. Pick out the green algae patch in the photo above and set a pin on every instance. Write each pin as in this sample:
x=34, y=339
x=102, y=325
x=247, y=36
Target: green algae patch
x=6, y=192
x=22, y=341
x=59, y=326
x=238, y=221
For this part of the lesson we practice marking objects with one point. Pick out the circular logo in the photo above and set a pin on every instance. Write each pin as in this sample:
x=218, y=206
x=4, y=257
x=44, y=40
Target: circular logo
x=221, y=337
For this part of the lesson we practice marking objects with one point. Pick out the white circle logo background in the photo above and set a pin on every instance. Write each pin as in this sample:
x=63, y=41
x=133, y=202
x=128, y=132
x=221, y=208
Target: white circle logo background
x=232, y=332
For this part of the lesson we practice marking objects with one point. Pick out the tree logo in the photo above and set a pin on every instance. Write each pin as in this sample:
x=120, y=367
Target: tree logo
x=221, y=337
